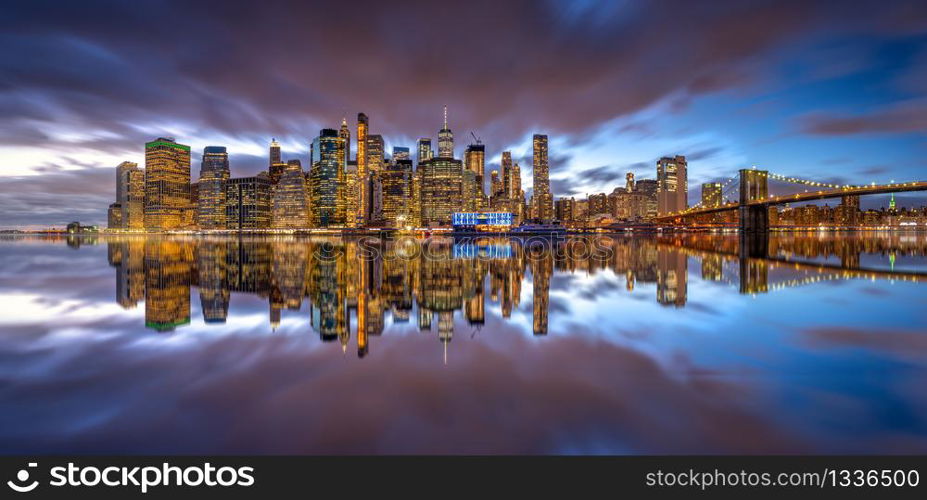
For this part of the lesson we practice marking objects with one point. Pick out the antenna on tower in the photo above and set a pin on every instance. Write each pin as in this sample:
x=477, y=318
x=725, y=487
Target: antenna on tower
x=445, y=117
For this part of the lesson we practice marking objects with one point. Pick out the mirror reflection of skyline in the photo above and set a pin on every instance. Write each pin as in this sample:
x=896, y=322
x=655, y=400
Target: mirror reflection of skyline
x=349, y=286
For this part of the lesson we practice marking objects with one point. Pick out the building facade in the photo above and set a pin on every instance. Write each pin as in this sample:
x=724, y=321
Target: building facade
x=672, y=184
x=290, y=201
x=167, y=185
x=211, y=194
x=542, y=199
x=249, y=202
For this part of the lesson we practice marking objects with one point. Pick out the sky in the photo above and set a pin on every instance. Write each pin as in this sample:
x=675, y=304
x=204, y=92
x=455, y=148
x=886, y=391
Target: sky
x=826, y=90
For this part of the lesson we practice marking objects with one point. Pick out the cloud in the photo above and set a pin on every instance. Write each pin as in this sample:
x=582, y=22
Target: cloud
x=103, y=77
x=904, y=117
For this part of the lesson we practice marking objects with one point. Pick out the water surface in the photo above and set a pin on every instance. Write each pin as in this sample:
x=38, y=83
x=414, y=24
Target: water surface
x=804, y=343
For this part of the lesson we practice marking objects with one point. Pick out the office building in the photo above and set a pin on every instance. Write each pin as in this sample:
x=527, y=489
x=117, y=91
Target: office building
x=290, y=200
x=542, y=199
x=396, y=186
x=672, y=185
x=326, y=179
x=441, y=190
x=167, y=185
x=425, y=152
x=249, y=202
x=445, y=140
x=711, y=195
x=211, y=194
x=363, y=190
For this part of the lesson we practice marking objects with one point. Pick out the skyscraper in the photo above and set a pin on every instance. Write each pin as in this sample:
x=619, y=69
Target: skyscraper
x=130, y=195
x=122, y=188
x=212, y=198
x=543, y=199
x=290, y=204
x=350, y=193
x=345, y=134
x=506, y=174
x=167, y=184
x=672, y=184
x=362, y=170
x=249, y=202
x=425, y=152
x=276, y=165
x=396, y=180
x=274, y=156
x=441, y=191
x=114, y=216
x=711, y=194
x=475, y=161
x=326, y=179
x=375, y=153
x=445, y=140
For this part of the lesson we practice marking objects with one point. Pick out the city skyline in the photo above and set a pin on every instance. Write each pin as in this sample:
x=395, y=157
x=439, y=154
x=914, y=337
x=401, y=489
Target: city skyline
x=839, y=91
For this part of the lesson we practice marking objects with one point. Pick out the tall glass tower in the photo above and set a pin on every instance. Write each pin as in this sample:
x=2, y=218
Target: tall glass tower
x=211, y=202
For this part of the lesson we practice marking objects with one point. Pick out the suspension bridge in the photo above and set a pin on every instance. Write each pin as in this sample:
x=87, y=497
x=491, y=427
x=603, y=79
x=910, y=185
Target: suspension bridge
x=747, y=193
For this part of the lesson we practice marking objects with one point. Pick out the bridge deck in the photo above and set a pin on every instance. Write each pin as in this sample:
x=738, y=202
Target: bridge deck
x=805, y=197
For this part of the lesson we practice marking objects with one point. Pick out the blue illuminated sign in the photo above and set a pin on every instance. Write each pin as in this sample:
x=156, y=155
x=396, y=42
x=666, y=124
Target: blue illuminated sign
x=482, y=219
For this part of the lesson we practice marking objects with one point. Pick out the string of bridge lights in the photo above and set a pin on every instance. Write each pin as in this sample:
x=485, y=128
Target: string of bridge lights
x=728, y=184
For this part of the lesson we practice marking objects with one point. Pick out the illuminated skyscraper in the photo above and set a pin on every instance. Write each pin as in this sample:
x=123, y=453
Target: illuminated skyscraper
x=326, y=179
x=564, y=209
x=363, y=191
x=130, y=195
x=672, y=184
x=350, y=193
x=396, y=180
x=212, y=198
x=445, y=140
x=711, y=194
x=276, y=165
x=475, y=162
x=442, y=180
x=274, y=156
x=543, y=199
x=345, y=134
x=425, y=152
x=507, y=174
x=114, y=216
x=122, y=188
x=167, y=184
x=515, y=182
x=249, y=202
x=495, y=186
x=290, y=203
x=415, y=204
x=375, y=153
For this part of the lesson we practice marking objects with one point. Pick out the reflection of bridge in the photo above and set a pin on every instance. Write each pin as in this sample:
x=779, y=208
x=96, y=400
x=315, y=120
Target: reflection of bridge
x=753, y=198
x=755, y=266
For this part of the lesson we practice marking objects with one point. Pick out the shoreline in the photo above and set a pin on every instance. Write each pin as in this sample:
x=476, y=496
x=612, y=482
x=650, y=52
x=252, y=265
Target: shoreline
x=392, y=233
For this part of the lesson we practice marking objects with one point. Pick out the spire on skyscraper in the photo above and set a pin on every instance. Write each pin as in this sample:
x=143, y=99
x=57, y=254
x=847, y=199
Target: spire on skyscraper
x=445, y=117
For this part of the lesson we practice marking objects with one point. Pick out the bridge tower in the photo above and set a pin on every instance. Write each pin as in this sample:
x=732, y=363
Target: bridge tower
x=754, y=217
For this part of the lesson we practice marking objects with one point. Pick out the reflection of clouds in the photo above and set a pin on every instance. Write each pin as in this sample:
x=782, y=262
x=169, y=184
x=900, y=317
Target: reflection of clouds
x=507, y=393
x=617, y=371
x=907, y=345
